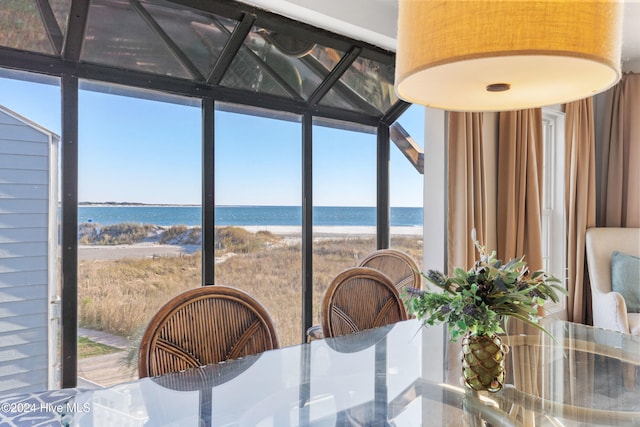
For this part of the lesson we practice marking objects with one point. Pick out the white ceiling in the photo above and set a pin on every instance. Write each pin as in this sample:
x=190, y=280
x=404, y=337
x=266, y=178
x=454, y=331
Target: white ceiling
x=375, y=21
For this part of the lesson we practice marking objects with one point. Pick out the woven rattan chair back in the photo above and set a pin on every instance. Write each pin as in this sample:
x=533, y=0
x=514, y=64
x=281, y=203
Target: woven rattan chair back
x=397, y=266
x=360, y=298
x=203, y=326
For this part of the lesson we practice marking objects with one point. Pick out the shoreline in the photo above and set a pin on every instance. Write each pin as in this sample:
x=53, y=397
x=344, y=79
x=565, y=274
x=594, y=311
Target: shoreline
x=152, y=249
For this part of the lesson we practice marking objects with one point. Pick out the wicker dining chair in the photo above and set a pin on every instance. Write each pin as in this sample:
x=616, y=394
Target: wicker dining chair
x=202, y=326
x=360, y=298
x=397, y=265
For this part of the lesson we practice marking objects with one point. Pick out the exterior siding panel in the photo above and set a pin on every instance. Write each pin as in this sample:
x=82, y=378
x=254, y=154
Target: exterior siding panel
x=23, y=308
x=19, y=161
x=23, y=278
x=24, y=382
x=24, y=220
x=12, y=250
x=14, y=324
x=20, y=235
x=21, y=133
x=27, y=148
x=24, y=351
x=19, y=367
x=23, y=191
x=18, y=340
x=8, y=206
x=28, y=164
x=11, y=176
x=10, y=265
x=20, y=293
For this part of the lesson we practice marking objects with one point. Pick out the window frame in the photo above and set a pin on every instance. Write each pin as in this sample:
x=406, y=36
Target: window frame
x=553, y=215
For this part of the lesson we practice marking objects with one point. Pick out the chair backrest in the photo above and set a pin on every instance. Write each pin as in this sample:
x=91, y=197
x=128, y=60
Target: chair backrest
x=600, y=243
x=203, y=326
x=397, y=266
x=360, y=298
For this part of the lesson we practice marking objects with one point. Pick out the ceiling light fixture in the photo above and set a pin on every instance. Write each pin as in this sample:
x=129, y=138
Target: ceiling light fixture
x=497, y=55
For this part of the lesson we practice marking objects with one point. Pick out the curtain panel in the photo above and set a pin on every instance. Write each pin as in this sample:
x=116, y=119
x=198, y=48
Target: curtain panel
x=580, y=203
x=466, y=189
x=519, y=206
x=509, y=185
x=619, y=191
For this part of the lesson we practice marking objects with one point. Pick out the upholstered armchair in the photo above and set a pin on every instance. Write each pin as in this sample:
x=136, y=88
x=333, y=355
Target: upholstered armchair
x=610, y=310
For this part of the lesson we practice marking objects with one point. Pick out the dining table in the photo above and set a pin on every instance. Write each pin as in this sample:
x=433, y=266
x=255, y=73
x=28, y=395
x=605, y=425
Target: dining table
x=404, y=374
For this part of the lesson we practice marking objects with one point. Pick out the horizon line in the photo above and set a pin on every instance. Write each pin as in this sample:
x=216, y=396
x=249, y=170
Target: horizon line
x=124, y=204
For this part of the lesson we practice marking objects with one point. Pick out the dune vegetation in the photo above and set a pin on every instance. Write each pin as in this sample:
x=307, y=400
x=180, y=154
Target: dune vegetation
x=120, y=296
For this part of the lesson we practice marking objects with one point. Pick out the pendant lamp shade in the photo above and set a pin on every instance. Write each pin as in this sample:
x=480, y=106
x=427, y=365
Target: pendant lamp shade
x=492, y=55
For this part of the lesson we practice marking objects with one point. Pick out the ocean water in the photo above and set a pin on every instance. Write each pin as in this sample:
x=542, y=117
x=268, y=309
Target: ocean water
x=245, y=215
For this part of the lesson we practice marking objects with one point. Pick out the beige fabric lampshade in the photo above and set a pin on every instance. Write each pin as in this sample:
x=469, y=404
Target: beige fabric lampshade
x=492, y=55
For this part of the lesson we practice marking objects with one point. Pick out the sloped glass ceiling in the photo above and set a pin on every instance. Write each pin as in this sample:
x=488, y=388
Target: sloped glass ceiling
x=131, y=44
x=280, y=64
x=371, y=80
x=228, y=45
x=22, y=27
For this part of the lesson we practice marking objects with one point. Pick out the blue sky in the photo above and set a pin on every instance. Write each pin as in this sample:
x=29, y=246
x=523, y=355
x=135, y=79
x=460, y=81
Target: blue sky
x=139, y=150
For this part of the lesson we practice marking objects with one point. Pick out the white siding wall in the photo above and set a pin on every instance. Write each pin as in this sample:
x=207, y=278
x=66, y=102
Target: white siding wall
x=25, y=269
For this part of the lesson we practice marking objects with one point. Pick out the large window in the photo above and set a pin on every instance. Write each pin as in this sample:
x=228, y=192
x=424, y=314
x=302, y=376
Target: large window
x=258, y=164
x=553, y=209
x=139, y=220
x=406, y=184
x=138, y=157
x=139, y=214
x=344, y=199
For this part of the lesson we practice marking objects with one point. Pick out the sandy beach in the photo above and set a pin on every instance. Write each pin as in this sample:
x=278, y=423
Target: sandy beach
x=151, y=249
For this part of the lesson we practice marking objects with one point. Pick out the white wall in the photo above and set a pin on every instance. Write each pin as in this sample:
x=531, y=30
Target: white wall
x=435, y=194
x=25, y=252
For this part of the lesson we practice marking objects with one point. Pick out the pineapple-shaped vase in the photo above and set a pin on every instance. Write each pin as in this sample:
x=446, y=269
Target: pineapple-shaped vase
x=483, y=362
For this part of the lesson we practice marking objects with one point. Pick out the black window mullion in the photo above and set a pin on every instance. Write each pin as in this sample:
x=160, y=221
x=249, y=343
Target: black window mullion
x=69, y=231
x=307, y=223
x=383, y=208
x=208, y=191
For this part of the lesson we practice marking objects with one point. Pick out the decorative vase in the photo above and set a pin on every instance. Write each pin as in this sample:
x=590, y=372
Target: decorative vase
x=483, y=362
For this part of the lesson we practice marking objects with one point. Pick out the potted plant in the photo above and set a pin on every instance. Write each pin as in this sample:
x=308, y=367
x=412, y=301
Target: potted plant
x=475, y=304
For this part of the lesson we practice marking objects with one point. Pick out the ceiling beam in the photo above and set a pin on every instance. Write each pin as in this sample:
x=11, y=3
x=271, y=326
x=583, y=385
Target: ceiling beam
x=408, y=146
x=76, y=27
x=395, y=111
x=231, y=48
x=50, y=65
x=54, y=34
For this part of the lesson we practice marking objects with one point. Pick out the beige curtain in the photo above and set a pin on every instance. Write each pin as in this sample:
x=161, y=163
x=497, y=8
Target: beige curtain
x=620, y=184
x=580, y=203
x=520, y=186
x=514, y=189
x=466, y=189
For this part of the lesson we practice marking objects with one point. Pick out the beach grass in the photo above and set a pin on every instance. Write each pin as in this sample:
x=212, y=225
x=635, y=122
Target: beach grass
x=116, y=234
x=120, y=296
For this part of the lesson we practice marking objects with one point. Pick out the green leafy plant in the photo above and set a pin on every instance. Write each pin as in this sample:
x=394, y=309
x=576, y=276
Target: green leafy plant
x=479, y=300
